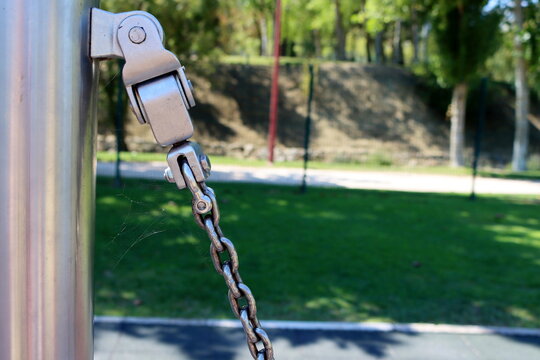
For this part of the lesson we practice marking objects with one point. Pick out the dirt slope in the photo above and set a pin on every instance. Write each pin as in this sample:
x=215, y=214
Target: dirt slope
x=358, y=111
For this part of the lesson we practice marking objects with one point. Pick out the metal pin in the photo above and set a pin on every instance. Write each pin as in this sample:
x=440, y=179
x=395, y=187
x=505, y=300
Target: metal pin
x=137, y=35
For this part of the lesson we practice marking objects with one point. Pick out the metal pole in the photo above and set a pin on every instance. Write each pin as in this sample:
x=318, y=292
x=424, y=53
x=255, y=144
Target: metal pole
x=47, y=133
x=274, y=94
x=481, y=119
x=307, y=132
x=118, y=120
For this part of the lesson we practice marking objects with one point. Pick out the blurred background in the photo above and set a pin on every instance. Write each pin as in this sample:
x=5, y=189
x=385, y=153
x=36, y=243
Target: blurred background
x=385, y=75
x=406, y=96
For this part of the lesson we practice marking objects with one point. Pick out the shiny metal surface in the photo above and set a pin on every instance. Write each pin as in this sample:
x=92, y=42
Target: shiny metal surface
x=103, y=38
x=158, y=90
x=163, y=108
x=47, y=133
x=192, y=153
x=201, y=202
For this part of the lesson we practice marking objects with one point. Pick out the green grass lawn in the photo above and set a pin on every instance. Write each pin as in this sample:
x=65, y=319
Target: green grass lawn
x=225, y=160
x=331, y=254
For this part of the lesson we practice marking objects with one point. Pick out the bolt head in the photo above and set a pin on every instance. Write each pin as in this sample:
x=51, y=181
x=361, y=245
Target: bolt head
x=137, y=35
x=203, y=206
x=168, y=175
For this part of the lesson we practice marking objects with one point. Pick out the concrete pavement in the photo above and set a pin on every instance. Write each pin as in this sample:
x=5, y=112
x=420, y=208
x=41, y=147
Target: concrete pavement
x=396, y=181
x=119, y=340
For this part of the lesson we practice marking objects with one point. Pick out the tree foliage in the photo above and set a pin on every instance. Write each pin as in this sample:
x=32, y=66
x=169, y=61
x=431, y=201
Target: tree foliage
x=501, y=65
x=531, y=38
x=380, y=13
x=192, y=27
x=464, y=37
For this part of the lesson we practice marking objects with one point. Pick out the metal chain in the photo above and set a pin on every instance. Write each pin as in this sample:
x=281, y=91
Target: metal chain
x=161, y=95
x=225, y=259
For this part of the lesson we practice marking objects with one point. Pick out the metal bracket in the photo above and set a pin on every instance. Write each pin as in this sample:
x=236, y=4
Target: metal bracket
x=159, y=92
x=196, y=159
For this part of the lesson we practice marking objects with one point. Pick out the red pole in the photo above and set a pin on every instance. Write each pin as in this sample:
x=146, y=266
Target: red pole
x=275, y=88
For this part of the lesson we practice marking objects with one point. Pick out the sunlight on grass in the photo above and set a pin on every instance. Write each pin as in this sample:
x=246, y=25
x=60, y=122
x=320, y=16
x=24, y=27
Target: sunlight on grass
x=342, y=305
x=278, y=202
x=231, y=218
x=108, y=200
x=128, y=295
x=325, y=215
x=523, y=314
x=516, y=234
x=330, y=254
x=187, y=239
x=336, y=306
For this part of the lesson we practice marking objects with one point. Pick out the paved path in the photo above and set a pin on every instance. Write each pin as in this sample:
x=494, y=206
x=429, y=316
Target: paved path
x=128, y=341
x=397, y=181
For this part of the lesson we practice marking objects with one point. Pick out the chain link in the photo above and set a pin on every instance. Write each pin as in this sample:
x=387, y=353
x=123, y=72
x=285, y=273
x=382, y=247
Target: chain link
x=225, y=260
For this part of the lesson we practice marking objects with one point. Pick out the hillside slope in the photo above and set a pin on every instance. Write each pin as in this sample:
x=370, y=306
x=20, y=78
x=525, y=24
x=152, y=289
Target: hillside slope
x=359, y=111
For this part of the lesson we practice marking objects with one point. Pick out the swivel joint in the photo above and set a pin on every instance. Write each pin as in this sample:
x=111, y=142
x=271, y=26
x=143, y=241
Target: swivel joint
x=158, y=90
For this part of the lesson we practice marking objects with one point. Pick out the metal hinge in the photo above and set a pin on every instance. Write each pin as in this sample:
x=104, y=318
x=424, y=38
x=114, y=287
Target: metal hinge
x=158, y=90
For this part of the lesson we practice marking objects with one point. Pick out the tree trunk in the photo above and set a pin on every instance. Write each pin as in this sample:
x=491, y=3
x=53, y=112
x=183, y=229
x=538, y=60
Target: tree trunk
x=353, y=54
x=340, y=33
x=415, y=36
x=368, y=47
x=317, y=43
x=263, y=31
x=521, y=136
x=397, y=49
x=379, y=48
x=425, y=39
x=457, y=127
x=369, y=40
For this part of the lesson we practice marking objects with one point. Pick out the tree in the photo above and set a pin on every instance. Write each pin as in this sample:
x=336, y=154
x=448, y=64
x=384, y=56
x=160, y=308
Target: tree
x=262, y=11
x=340, y=32
x=360, y=18
x=382, y=14
x=415, y=33
x=323, y=28
x=397, y=47
x=420, y=11
x=521, y=136
x=464, y=35
x=313, y=30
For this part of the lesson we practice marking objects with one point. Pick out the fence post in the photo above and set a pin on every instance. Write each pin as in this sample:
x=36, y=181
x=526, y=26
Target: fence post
x=47, y=168
x=481, y=119
x=307, y=131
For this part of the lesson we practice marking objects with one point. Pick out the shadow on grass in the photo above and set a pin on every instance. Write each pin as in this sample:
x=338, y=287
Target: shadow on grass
x=332, y=254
